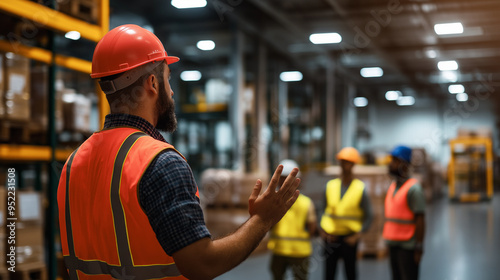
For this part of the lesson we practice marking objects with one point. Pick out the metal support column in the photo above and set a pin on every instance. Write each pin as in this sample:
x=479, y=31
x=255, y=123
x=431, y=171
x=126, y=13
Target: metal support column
x=330, y=115
x=236, y=112
x=283, y=119
x=261, y=163
x=53, y=172
x=349, y=116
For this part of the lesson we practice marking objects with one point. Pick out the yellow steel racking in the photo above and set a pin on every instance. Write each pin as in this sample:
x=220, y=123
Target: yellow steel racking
x=56, y=21
x=470, y=142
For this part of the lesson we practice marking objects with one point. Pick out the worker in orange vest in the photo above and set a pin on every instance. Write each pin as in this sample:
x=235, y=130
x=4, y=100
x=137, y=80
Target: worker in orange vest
x=128, y=204
x=347, y=214
x=290, y=239
x=404, y=226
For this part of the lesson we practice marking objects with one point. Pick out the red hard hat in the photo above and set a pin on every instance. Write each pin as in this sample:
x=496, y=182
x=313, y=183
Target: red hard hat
x=126, y=47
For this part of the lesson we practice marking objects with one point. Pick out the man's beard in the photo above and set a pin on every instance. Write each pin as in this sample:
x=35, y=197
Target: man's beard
x=165, y=108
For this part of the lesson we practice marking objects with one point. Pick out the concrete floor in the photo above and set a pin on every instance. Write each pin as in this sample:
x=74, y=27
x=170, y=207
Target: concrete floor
x=462, y=243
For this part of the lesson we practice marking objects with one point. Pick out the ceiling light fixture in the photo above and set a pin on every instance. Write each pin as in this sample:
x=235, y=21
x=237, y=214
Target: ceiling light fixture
x=449, y=76
x=462, y=97
x=360, y=102
x=206, y=45
x=188, y=4
x=72, y=35
x=405, y=101
x=447, y=65
x=191, y=76
x=458, y=88
x=393, y=95
x=449, y=28
x=371, y=72
x=325, y=38
x=291, y=76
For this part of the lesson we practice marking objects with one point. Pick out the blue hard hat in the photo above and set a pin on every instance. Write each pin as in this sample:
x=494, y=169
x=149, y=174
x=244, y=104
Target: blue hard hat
x=402, y=152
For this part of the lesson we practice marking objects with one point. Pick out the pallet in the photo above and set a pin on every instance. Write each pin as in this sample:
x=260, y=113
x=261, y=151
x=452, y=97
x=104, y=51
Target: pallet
x=30, y=271
x=376, y=253
x=87, y=10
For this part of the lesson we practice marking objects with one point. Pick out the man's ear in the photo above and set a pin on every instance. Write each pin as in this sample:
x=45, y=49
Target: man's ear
x=151, y=83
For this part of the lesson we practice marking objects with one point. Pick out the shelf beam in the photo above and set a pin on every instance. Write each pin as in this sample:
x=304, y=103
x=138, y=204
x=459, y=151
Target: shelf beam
x=51, y=18
x=45, y=56
x=10, y=152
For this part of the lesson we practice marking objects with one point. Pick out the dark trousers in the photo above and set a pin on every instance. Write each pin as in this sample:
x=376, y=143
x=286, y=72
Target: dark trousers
x=336, y=250
x=299, y=266
x=403, y=265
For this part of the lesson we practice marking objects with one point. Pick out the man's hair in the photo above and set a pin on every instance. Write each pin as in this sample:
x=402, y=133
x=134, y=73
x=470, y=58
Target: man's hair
x=129, y=98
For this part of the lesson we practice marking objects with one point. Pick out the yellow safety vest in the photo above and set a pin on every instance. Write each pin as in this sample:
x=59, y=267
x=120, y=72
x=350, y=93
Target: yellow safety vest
x=289, y=236
x=343, y=216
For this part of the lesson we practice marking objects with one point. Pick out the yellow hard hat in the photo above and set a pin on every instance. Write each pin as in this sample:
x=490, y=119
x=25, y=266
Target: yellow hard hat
x=349, y=154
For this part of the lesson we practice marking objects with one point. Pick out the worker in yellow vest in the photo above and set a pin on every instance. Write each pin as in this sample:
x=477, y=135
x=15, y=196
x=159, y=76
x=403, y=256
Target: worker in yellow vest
x=290, y=239
x=404, y=217
x=347, y=214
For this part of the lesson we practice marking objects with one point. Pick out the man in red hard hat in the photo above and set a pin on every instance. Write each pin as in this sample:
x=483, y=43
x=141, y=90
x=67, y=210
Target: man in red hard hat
x=348, y=213
x=404, y=226
x=128, y=204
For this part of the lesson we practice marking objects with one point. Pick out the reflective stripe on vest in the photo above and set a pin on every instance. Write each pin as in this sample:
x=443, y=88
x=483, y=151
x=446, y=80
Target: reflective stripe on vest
x=343, y=215
x=289, y=236
x=126, y=268
x=399, y=219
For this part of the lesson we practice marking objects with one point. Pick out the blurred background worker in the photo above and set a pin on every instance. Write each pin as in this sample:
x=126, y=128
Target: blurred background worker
x=347, y=213
x=290, y=239
x=404, y=214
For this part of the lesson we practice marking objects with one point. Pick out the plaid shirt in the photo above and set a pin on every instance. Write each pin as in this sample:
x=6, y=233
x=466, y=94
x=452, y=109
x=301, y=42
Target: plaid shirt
x=167, y=192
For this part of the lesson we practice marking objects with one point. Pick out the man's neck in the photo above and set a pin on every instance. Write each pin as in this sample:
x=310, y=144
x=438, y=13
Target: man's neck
x=401, y=180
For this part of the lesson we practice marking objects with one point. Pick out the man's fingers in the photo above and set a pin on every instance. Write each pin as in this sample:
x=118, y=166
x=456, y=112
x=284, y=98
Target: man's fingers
x=275, y=179
x=287, y=188
x=256, y=191
x=292, y=199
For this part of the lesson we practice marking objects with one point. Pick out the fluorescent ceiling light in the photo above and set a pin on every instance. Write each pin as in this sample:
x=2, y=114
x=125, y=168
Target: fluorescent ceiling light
x=205, y=45
x=371, y=72
x=191, y=76
x=360, y=102
x=462, y=97
x=449, y=76
x=393, y=95
x=187, y=4
x=458, y=88
x=447, y=65
x=405, y=101
x=325, y=38
x=72, y=35
x=449, y=28
x=291, y=76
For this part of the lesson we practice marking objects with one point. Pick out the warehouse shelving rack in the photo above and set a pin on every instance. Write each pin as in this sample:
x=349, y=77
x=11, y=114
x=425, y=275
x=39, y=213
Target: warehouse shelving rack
x=466, y=143
x=56, y=22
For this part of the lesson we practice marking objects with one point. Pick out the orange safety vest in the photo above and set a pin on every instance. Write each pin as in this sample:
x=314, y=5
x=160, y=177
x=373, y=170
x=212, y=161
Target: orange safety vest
x=105, y=233
x=399, y=219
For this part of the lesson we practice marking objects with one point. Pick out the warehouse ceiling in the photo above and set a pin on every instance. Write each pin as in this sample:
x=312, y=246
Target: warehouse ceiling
x=397, y=36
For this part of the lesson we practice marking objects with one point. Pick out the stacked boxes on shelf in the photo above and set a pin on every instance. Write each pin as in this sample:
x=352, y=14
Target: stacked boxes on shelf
x=29, y=228
x=17, y=87
x=224, y=194
x=86, y=10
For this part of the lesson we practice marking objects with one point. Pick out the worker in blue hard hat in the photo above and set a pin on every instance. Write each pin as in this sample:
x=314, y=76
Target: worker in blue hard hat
x=290, y=239
x=404, y=226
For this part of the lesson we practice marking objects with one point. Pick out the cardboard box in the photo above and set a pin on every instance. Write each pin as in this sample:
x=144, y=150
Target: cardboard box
x=29, y=208
x=216, y=187
x=29, y=243
x=83, y=9
x=39, y=99
x=17, y=85
x=76, y=111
